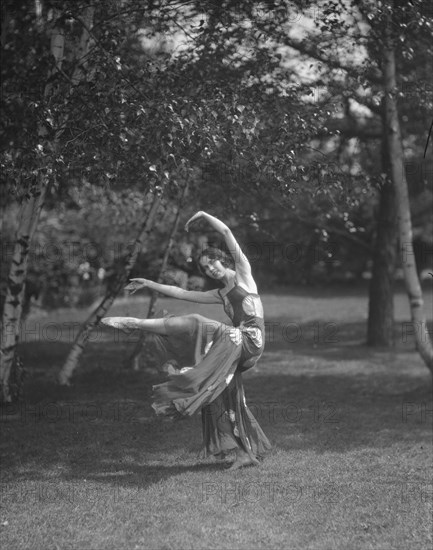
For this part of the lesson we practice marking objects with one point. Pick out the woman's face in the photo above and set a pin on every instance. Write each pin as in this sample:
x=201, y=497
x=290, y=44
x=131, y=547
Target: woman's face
x=212, y=267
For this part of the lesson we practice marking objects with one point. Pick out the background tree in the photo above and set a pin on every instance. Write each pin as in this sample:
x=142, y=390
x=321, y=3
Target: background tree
x=34, y=183
x=148, y=89
x=347, y=62
x=398, y=174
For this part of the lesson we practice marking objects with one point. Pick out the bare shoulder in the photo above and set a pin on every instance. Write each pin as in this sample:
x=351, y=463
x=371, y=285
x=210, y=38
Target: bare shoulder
x=246, y=281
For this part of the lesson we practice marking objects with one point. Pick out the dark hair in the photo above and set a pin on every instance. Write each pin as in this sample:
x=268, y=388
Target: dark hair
x=214, y=254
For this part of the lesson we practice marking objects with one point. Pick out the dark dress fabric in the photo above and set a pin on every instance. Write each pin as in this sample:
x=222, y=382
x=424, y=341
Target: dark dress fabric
x=218, y=353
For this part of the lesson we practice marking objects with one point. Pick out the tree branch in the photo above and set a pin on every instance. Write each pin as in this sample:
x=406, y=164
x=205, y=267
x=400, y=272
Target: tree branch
x=304, y=49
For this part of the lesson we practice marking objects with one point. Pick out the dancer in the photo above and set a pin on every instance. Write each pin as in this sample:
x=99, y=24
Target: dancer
x=218, y=352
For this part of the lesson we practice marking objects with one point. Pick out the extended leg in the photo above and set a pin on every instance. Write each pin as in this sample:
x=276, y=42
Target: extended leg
x=183, y=324
x=157, y=326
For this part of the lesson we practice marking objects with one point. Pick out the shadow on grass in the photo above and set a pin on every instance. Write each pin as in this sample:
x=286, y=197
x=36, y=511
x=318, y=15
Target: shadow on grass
x=143, y=476
x=323, y=397
x=126, y=445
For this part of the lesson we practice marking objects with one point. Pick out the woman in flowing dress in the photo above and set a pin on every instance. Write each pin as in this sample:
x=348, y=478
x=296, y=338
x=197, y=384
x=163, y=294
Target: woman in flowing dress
x=211, y=355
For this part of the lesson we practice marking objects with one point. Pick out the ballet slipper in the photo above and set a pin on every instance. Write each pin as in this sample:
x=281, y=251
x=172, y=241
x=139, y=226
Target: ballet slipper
x=117, y=322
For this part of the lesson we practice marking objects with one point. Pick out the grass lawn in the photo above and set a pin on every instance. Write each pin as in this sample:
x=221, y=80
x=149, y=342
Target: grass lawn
x=90, y=467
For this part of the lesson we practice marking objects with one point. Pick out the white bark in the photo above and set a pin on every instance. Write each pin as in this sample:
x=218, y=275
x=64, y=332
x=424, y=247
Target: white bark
x=29, y=215
x=30, y=211
x=135, y=356
x=396, y=155
x=74, y=355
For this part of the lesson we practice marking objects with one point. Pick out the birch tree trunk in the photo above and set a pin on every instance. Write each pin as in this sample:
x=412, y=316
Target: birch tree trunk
x=28, y=219
x=80, y=341
x=11, y=322
x=31, y=208
x=418, y=325
x=135, y=355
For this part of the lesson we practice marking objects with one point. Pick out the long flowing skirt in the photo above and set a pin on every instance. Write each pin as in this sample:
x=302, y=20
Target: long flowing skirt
x=213, y=385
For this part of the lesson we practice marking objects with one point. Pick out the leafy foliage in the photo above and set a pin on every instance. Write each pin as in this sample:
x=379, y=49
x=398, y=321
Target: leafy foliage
x=266, y=118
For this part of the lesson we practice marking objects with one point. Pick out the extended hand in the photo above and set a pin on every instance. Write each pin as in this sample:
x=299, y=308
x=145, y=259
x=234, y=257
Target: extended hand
x=136, y=284
x=196, y=216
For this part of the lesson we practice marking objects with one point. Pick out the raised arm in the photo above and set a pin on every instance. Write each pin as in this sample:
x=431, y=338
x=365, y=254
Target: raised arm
x=242, y=265
x=208, y=297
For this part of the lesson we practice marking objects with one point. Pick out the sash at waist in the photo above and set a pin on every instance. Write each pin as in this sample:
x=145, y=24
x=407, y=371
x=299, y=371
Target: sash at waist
x=252, y=332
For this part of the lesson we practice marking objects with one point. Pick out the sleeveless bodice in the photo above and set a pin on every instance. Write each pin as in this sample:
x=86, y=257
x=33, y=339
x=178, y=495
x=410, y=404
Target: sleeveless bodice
x=243, y=307
x=246, y=312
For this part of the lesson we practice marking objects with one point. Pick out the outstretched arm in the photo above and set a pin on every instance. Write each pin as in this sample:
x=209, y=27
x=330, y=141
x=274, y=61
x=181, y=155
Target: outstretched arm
x=242, y=265
x=209, y=297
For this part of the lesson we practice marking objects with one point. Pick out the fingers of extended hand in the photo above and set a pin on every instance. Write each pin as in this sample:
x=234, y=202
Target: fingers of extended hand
x=135, y=284
x=131, y=289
